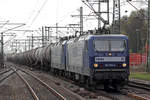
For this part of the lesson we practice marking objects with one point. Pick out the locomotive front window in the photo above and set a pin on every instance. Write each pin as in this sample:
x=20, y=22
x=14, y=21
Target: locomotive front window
x=117, y=45
x=101, y=45
x=110, y=45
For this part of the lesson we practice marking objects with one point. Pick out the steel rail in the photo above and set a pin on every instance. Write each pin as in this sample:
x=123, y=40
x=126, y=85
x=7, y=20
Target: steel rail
x=136, y=96
x=132, y=95
x=139, y=85
x=1, y=80
x=28, y=86
x=45, y=85
x=5, y=71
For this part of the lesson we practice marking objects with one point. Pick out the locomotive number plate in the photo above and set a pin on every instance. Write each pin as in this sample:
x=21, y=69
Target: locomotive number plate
x=109, y=59
x=110, y=65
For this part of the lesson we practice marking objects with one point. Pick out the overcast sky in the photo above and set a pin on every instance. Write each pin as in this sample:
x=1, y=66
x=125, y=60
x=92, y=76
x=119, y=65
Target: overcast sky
x=37, y=13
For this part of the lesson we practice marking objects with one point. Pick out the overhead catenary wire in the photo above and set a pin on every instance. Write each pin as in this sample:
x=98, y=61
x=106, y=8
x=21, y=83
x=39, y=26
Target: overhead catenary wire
x=13, y=28
x=92, y=8
x=9, y=40
x=137, y=9
x=121, y=4
x=4, y=24
x=35, y=17
x=32, y=13
x=38, y=12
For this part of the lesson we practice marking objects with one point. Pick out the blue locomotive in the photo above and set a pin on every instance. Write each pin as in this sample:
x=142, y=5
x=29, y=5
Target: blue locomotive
x=92, y=60
x=99, y=59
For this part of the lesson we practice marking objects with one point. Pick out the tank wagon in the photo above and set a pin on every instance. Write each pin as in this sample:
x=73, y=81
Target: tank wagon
x=90, y=59
x=1, y=59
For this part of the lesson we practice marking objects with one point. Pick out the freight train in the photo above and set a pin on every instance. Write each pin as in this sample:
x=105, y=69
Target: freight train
x=92, y=60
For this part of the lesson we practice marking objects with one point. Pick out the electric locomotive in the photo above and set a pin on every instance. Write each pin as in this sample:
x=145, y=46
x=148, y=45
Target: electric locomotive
x=110, y=59
x=99, y=60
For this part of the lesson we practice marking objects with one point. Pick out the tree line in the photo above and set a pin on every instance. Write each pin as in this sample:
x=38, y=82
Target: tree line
x=136, y=27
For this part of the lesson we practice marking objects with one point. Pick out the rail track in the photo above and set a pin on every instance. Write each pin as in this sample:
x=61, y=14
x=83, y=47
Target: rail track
x=138, y=90
x=139, y=85
x=5, y=74
x=32, y=88
x=112, y=94
x=125, y=94
x=136, y=94
x=90, y=95
x=5, y=71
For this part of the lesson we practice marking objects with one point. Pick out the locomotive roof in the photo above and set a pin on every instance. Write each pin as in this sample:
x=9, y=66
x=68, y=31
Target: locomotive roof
x=86, y=37
x=114, y=35
x=108, y=35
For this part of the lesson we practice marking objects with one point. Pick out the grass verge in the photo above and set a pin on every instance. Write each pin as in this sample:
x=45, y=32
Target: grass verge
x=142, y=76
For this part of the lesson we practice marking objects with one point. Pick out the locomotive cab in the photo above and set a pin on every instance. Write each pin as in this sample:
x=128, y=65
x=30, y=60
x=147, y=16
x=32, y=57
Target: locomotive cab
x=109, y=59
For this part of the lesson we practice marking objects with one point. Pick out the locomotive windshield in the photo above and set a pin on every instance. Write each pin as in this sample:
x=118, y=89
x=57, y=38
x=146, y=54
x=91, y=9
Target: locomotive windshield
x=109, y=45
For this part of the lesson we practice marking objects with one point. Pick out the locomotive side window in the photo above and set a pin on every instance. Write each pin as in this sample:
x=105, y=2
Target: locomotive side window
x=109, y=45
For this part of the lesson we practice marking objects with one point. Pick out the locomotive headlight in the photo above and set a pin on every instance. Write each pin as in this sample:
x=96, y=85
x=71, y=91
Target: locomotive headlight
x=109, y=54
x=124, y=64
x=95, y=65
